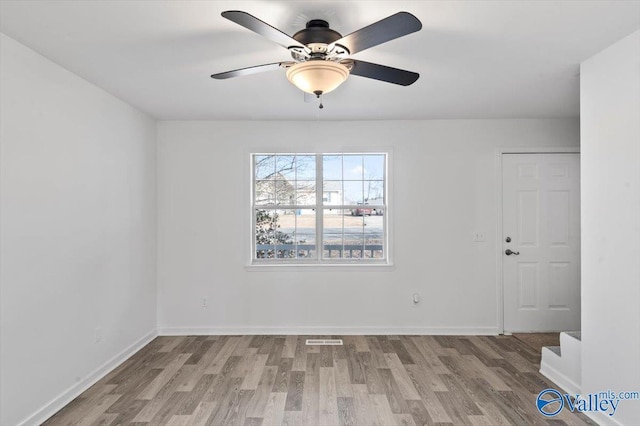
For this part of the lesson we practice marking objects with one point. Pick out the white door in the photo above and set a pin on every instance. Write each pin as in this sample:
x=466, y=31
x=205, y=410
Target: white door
x=541, y=242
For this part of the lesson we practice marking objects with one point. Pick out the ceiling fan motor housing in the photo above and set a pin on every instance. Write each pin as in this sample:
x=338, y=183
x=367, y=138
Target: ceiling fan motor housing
x=317, y=31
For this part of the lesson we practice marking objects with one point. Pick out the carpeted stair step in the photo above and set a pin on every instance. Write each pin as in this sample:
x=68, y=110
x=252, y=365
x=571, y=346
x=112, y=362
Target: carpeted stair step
x=575, y=334
x=555, y=349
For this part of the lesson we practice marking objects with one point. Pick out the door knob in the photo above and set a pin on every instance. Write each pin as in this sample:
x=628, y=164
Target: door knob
x=508, y=252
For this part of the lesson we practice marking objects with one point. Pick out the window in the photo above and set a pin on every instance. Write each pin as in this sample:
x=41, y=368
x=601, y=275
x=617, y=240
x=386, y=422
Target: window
x=319, y=208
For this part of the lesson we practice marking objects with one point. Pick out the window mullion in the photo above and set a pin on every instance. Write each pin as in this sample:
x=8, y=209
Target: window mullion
x=365, y=200
x=343, y=202
x=319, y=208
x=296, y=237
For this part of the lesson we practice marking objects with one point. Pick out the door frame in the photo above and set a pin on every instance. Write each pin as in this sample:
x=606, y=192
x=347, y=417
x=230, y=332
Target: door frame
x=499, y=152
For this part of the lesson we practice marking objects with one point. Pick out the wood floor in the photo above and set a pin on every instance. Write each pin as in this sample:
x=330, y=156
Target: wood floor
x=538, y=340
x=277, y=380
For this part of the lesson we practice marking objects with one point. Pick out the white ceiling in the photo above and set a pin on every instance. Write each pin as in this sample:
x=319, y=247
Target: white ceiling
x=476, y=59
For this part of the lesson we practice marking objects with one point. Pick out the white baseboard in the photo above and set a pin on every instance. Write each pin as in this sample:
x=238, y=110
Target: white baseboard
x=563, y=382
x=602, y=418
x=321, y=331
x=70, y=394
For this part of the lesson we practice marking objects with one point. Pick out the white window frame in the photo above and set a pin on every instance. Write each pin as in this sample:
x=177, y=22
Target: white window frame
x=319, y=261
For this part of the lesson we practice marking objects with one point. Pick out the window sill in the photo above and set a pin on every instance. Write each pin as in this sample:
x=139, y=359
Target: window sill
x=315, y=267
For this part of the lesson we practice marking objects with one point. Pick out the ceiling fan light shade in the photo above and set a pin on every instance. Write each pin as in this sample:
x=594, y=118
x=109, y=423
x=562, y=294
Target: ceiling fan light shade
x=317, y=76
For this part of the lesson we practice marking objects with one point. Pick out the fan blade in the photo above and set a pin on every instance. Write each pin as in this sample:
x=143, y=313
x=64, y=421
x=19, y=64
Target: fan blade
x=247, y=71
x=384, y=73
x=390, y=28
x=257, y=26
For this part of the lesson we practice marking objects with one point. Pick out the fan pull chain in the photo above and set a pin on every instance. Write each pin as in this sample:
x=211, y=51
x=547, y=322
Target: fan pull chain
x=318, y=94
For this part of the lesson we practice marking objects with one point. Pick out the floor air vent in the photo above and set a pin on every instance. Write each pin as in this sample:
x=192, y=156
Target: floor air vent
x=324, y=342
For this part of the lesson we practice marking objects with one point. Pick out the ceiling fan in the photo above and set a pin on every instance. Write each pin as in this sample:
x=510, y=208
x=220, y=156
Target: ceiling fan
x=320, y=55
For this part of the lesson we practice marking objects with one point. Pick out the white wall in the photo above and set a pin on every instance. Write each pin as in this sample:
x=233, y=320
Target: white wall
x=78, y=231
x=444, y=178
x=610, y=133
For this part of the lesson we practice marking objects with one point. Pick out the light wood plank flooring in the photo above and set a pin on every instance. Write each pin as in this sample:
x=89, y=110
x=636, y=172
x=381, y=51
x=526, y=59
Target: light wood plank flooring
x=277, y=380
x=538, y=340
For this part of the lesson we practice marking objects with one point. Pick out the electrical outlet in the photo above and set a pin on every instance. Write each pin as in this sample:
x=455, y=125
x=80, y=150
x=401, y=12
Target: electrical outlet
x=204, y=302
x=479, y=236
x=98, y=335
